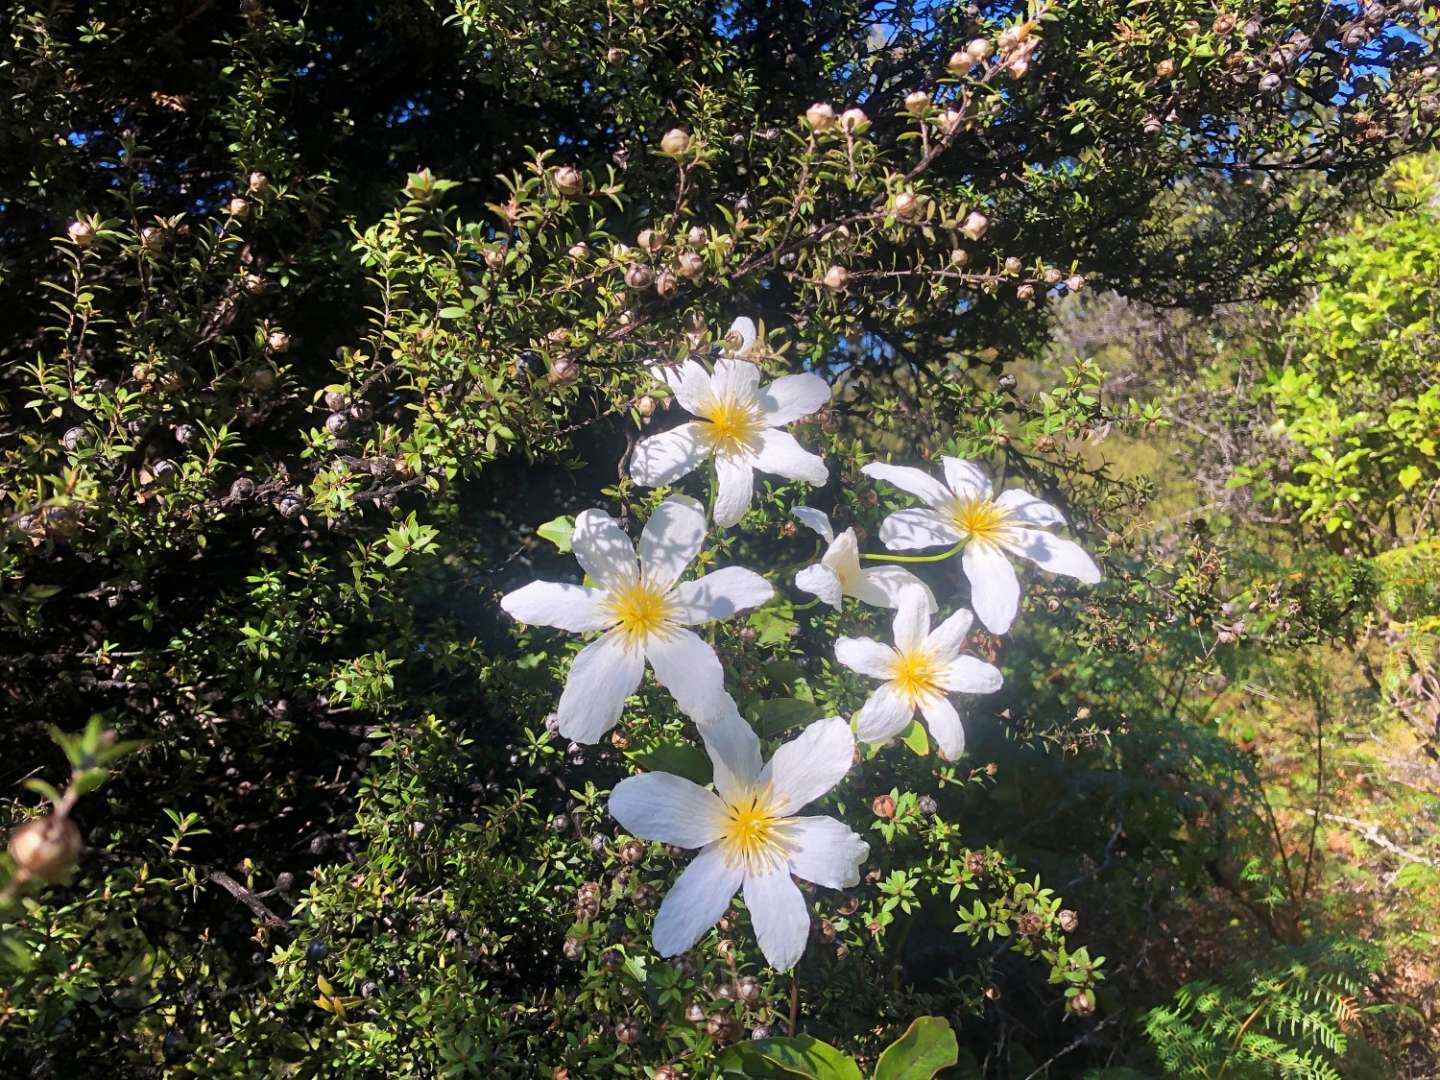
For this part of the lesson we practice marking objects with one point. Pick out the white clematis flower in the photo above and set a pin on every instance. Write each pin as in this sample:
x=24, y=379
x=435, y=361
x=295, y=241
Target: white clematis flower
x=643, y=609
x=738, y=424
x=919, y=672
x=962, y=511
x=748, y=834
x=839, y=574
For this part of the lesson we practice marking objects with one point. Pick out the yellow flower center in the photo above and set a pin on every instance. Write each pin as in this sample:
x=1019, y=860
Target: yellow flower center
x=980, y=519
x=753, y=830
x=917, y=675
x=640, y=610
x=732, y=427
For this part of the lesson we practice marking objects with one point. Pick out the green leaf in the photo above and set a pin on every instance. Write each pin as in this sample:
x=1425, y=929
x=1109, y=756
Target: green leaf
x=915, y=738
x=800, y=1056
x=682, y=759
x=558, y=531
x=779, y=715
x=927, y=1047
x=1409, y=477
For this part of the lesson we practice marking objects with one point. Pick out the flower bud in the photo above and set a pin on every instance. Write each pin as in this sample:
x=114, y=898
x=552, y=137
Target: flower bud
x=45, y=848
x=645, y=407
x=1083, y=1003
x=1014, y=35
x=1165, y=68
x=1053, y=276
x=277, y=341
x=1025, y=292
x=81, y=233
x=978, y=49
x=573, y=949
x=186, y=434
x=1013, y=265
x=494, y=258
x=254, y=284
x=152, y=237
x=1270, y=84
x=916, y=102
x=837, y=277
x=820, y=116
x=1074, y=282
x=959, y=257
x=748, y=988
x=243, y=488
x=854, y=121
x=665, y=1072
x=238, y=207
x=639, y=276
x=974, y=225
x=695, y=1013
x=689, y=265
x=562, y=370
x=648, y=241
x=883, y=806
x=258, y=183
x=906, y=204
x=1153, y=127
x=675, y=142
x=568, y=181
x=960, y=62
x=717, y=1026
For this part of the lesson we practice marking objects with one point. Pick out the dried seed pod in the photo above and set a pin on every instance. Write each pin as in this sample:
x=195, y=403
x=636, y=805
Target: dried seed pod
x=820, y=116
x=916, y=102
x=906, y=204
x=639, y=276
x=675, y=142
x=568, y=181
x=854, y=121
x=45, y=848
x=836, y=278
x=960, y=62
x=689, y=265
x=258, y=183
x=974, y=225
x=238, y=207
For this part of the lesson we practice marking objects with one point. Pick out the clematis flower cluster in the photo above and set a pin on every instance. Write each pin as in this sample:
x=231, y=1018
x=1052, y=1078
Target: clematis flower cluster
x=750, y=835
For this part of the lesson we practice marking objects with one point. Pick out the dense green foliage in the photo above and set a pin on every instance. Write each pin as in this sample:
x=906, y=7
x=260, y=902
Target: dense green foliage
x=315, y=318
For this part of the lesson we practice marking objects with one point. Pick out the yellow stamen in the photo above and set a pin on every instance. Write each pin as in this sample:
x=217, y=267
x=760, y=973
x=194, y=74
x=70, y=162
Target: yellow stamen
x=732, y=427
x=753, y=831
x=980, y=519
x=640, y=610
x=917, y=675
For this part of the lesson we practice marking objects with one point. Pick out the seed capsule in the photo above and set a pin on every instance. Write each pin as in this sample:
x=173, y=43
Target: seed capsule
x=238, y=207
x=689, y=265
x=960, y=62
x=675, y=142
x=916, y=102
x=906, y=204
x=45, y=848
x=836, y=278
x=854, y=121
x=978, y=49
x=639, y=276
x=82, y=233
x=974, y=225
x=820, y=116
x=568, y=181
x=258, y=183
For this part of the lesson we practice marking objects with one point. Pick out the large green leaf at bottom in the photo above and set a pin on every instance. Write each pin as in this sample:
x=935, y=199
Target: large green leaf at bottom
x=927, y=1047
x=784, y=1059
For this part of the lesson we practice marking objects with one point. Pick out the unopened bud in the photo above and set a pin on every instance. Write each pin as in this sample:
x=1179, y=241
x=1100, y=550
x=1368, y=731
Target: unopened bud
x=82, y=233
x=1053, y=276
x=646, y=406
x=1075, y=282
x=950, y=121
x=854, y=121
x=1025, y=292
x=959, y=257
x=820, y=116
x=837, y=277
x=45, y=848
x=615, y=56
x=916, y=102
x=1223, y=24
x=258, y=183
x=562, y=370
x=1013, y=264
x=960, y=62
x=238, y=207
x=974, y=225
x=675, y=142
x=906, y=204
x=648, y=241
x=1018, y=67
x=579, y=251
x=696, y=235
x=689, y=265
x=978, y=49
x=568, y=181
x=1165, y=68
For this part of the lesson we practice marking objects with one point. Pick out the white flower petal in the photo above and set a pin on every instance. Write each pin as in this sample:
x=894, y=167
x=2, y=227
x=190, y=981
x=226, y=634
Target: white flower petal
x=687, y=666
x=945, y=640
x=994, y=588
x=843, y=556
x=810, y=764
x=671, y=809
x=720, y=594
x=696, y=901
x=781, y=455
x=780, y=916
x=671, y=540
x=689, y=382
x=884, y=716
x=881, y=586
x=1029, y=509
x=814, y=519
x=736, y=481
x=825, y=851
x=912, y=620
x=945, y=727
x=915, y=481
x=736, y=382
x=553, y=603
x=823, y=582
x=970, y=675
x=734, y=751
x=604, y=550
x=792, y=396
x=911, y=530
x=865, y=655
x=965, y=479
x=1053, y=554
x=665, y=458
x=604, y=674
